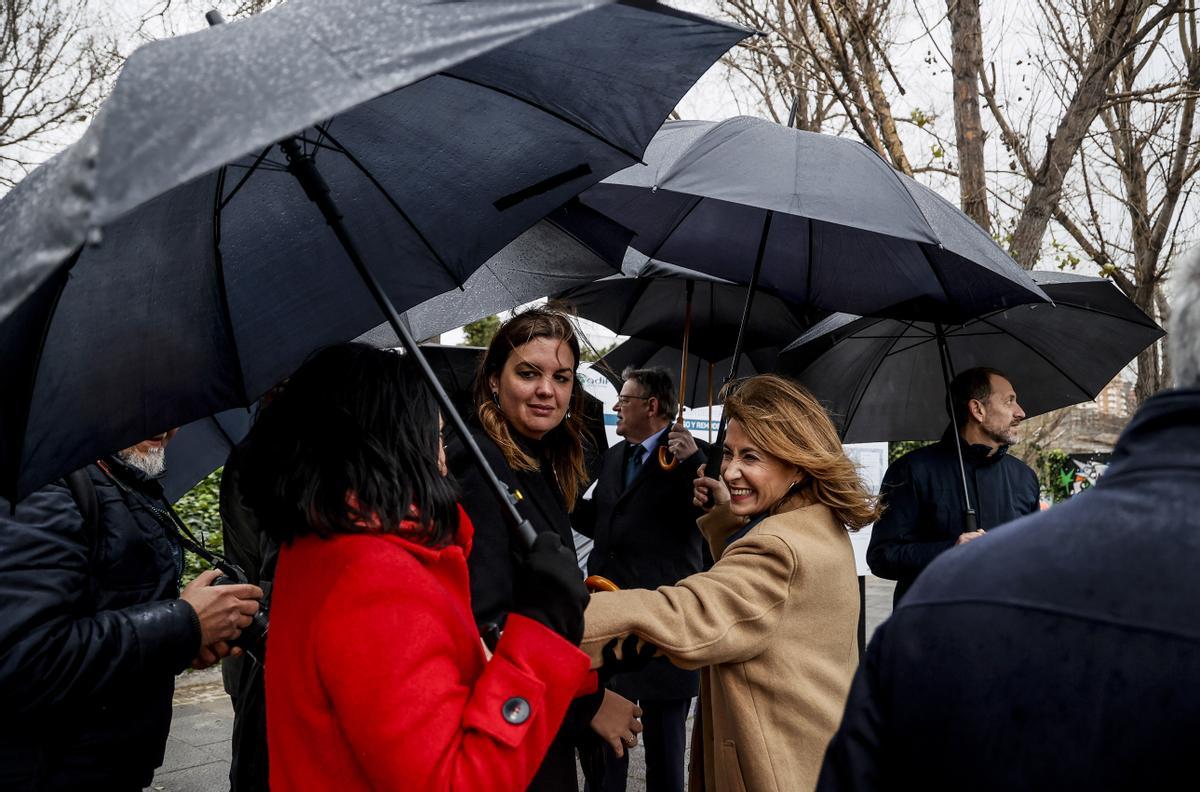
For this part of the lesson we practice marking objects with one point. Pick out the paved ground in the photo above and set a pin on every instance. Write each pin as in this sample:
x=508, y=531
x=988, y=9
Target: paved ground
x=198, y=750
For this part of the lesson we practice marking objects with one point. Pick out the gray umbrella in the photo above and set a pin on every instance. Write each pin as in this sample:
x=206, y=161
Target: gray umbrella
x=168, y=266
x=818, y=220
x=571, y=247
x=830, y=223
x=882, y=379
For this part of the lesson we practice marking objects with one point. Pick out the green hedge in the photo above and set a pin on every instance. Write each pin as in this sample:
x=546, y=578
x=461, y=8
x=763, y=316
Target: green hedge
x=200, y=511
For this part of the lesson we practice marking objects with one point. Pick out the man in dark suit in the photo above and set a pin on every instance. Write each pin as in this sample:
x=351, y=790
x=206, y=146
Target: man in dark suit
x=644, y=527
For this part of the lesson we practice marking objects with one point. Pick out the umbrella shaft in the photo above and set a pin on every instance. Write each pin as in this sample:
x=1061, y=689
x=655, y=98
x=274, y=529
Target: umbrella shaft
x=713, y=468
x=947, y=376
x=305, y=170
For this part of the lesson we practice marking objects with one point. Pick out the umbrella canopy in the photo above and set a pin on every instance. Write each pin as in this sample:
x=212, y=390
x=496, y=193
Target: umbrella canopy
x=881, y=379
x=831, y=223
x=573, y=246
x=701, y=380
x=168, y=266
x=652, y=303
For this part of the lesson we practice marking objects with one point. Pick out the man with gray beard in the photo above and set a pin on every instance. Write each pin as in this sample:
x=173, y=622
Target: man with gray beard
x=94, y=628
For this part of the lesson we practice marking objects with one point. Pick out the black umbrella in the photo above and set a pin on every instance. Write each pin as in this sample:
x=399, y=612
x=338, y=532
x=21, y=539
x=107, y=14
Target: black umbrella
x=886, y=379
x=203, y=446
x=818, y=220
x=700, y=384
x=703, y=378
x=430, y=135
x=670, y=306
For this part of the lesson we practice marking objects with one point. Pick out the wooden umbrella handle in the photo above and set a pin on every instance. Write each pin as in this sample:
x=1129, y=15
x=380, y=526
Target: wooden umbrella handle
x=598, y=583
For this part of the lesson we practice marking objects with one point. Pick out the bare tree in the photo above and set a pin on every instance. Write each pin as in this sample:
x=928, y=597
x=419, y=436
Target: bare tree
x=1098, y=35
x=53, y=73
x=1136, y=177
x=827, y=60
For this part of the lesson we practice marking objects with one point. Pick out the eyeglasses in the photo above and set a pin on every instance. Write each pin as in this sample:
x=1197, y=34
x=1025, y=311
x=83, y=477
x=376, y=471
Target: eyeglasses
x=623, y=399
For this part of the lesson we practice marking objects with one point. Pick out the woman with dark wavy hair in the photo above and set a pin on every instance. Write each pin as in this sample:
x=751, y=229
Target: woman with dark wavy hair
x=377, y=677
x=774, y=623
x=529, y=424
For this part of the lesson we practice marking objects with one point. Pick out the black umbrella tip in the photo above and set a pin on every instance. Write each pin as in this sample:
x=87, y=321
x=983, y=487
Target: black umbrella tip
x=214, y=18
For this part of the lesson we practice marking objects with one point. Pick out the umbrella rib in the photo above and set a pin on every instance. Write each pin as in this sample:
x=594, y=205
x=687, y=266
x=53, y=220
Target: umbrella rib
x=862, y=392
x=635, y=157
x=937, y=273
x=628, y=311
x=1050, y=362
x=696, y=199
x=221, y=203
x=808, y=299
x=219, y=263
x=404, y=215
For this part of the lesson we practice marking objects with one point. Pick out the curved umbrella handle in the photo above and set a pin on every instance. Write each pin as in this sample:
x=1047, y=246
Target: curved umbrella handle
x=600, y=583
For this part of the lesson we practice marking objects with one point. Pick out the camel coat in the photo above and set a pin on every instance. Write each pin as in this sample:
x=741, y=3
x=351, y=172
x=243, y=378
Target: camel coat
x=773, y=624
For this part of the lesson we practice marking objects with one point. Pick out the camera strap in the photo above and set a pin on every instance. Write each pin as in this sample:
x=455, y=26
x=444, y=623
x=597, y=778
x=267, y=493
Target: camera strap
x=171, y=522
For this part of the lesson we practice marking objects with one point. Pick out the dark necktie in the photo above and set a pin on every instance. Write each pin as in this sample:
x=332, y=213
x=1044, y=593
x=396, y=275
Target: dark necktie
x=634, y=463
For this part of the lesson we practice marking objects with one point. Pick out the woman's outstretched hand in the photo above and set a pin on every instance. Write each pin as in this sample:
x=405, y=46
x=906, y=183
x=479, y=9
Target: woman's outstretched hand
x=708, y=492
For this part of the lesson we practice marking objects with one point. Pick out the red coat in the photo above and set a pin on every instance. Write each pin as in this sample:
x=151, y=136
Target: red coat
x=377, y=678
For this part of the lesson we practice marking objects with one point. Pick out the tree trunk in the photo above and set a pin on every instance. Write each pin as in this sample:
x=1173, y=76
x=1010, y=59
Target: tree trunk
x=966, y=36
x=1166, y=374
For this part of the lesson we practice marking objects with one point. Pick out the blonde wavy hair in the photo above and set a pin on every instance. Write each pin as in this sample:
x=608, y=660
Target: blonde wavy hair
x=787, y=422
x=564, y=443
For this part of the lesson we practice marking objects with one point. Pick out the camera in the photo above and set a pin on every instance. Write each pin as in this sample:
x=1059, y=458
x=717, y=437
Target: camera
x=253, y=640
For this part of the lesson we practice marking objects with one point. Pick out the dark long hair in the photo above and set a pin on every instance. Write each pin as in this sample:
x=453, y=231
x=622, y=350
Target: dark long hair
x=352, y=421
x=563, y=443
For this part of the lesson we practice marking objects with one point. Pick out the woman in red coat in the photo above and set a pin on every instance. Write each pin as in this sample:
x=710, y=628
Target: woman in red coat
x=377, y=678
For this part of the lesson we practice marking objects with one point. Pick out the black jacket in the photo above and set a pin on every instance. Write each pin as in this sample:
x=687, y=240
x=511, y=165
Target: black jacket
x=91, y=637
x=1059, y=652
x=493, y=552
x=492, y=563
x=645, y=537
x=923, y=504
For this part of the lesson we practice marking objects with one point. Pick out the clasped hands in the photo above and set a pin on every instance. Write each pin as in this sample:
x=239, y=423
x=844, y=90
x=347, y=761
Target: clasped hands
x=617, y=719
x=224, y=611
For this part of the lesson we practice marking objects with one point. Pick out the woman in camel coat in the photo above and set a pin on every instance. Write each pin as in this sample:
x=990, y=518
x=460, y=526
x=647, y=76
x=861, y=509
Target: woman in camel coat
x=773, y=623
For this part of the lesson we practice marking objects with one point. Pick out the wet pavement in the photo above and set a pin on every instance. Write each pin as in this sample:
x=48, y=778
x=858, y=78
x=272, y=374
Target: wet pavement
x=197, y=758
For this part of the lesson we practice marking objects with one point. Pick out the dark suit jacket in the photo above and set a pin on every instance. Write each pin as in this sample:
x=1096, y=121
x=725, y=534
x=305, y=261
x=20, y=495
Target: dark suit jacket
x=645, y=537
